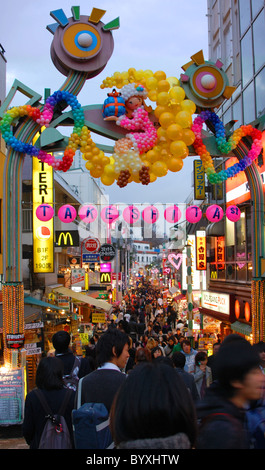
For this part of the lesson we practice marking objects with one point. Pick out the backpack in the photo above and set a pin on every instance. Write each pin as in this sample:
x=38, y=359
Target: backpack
x=114, y=105
x=71, y=380
x=255, y=421
x=91, y=425
x=55, y=434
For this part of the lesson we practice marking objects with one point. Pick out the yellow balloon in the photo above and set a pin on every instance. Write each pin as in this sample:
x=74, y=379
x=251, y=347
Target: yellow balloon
x=173, y=81
x=159, y=168
x=89, y=166
x=159, y=75
x=184, y=119
x=163, y=98
x=109, y=170
x=175, y=164
x=151, y=83
x=163, y=85
x=135, y=177
x=152, y=156
x=162, y=133
x=189, y=106
x=152, y=95
x=188, y=136
x=174, y=132
x=179, y=149
x=107, y=180
x=166, y=119
x=177, y=93
x=153, y=177
x=160, y=109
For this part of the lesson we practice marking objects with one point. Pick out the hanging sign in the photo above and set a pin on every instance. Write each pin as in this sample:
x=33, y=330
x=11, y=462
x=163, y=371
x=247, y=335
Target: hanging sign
x=199, y=180
x=107, y=252
x=201, y=263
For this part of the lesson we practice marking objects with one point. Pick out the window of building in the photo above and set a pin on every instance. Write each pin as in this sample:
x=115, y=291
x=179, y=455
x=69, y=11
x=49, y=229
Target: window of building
x=259, y=41
x=260, y=92
x=237, y=113
x=244, y=15
x=256, y=6
x=249, y=104
x=247, y=58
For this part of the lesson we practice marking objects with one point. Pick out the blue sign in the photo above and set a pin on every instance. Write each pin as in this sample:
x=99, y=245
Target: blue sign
x=90, y=257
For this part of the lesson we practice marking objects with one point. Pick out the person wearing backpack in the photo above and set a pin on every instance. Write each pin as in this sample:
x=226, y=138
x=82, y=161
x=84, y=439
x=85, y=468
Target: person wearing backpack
x=74, y=367
x=49, y=392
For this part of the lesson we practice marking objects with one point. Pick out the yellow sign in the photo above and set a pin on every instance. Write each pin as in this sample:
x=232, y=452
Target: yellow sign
x=98, y=317
x=65, y=236
x=199, y=180
x=42, y=189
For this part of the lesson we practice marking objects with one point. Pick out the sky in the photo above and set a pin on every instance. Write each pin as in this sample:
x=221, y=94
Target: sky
x=153, y=34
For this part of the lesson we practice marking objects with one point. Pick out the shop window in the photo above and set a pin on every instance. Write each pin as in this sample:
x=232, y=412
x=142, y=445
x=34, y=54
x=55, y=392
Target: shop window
x=250, y=270
x=241, y=238
x=256, y=6
x=259, y=40
x=241, y=271
x=230, y=272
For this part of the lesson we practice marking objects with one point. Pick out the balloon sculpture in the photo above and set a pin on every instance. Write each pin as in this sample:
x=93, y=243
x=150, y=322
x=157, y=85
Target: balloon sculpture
x=149, y=150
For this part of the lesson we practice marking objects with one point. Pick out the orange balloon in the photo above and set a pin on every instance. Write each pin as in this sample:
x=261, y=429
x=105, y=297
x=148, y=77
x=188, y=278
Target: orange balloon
x=174, y=132
x=179, y=149
x=188, y=136
x=175, y=164
x=163, y=85
x=160, y=75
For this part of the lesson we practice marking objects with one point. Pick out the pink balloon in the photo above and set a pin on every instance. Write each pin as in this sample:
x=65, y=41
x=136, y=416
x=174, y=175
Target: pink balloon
x=131, y=214
x=109, y=214
x=193, y=214
x=67, y=213
x=44, y=212
x=172, y=214
x=233, y=213
x=88, y=213
x=150, y=214
x=214, y=213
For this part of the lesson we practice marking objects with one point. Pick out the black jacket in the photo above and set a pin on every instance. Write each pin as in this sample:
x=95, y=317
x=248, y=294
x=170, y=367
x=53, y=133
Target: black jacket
x=189, y=381
x=221, y=423
x=68, y=360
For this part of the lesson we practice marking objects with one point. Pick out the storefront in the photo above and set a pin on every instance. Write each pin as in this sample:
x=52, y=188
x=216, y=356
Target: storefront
x=217, y=314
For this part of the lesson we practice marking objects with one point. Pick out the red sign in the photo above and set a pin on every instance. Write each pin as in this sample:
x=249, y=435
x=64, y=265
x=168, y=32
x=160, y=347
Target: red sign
x=92, y=245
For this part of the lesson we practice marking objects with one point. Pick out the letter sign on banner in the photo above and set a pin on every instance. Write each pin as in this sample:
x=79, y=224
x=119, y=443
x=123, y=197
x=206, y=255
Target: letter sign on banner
x=42, y=189
x=201, y=263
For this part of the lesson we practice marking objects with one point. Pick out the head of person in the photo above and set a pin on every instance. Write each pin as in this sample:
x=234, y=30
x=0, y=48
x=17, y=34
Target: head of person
x=186, y=346
x=238, y=371
x=178, y=359
x=151, y=343
x=156, y=352
x=142, y=355
x=113, y=346
x=216, y=347
x=61, y=341
x=260, y=348
x=201, y=358
x=138, y=412
x=49, y=374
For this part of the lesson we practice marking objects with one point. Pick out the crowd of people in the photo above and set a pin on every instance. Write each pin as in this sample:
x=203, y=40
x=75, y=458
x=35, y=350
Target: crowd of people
x=160, y=392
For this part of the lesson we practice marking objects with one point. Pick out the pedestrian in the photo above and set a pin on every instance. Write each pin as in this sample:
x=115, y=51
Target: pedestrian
x=140, y=419
x=112, y=354
x=202, y=373
x=49, y=380
x=156, y=352
x=168, y=349
x=211, y=359
x=78, y=367
x=222, y=412
x=260, y=348
x=189, y=354
x=179, y=360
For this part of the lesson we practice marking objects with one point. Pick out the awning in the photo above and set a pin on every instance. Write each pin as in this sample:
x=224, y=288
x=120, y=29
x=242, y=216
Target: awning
x=84, y=298
x=242, y=328
x=32, y=301
x=216, y=229
x=180, y=297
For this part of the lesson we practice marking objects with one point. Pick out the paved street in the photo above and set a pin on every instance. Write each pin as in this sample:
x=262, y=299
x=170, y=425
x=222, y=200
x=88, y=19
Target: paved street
x=11, y=438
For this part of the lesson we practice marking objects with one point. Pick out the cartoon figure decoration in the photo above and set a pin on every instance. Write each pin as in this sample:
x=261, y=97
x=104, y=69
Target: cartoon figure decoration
x=142, y=137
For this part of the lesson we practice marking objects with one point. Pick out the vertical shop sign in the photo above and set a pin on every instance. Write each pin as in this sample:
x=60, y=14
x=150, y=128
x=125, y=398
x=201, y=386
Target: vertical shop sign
x=220, y=252
x=201, y=262
x=199, y=180
x=42, y=189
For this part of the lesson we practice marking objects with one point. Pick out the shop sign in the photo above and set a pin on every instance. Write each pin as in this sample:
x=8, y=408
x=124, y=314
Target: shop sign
x=90, y=245
x=66, y=238
x=201, y=262
x=78, y=277
x=42, y=193
x=90, y=257
x=199, y=180
x=105, y=278
x=220, y=252
x=15, y=341
x=98, y=317
x=216, y=302
x=107, y=252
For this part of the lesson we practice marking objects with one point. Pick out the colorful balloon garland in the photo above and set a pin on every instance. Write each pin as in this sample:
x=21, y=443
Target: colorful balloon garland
x=225, y=146
x=79, y=137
